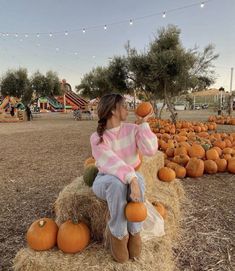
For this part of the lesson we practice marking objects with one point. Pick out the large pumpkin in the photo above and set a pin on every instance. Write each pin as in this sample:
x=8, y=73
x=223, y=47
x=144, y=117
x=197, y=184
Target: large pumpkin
x=212, y=154
x=42, y=233
x=135, y=211
x=144, y=109
x=166, y=174
x=197, y=151
x=90, y=174
x=73, y=236
x=195, y=167
x=160, y=208
x=210, y=167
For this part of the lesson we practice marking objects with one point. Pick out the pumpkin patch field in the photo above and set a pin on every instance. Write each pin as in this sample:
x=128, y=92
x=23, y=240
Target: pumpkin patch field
x=39, y=158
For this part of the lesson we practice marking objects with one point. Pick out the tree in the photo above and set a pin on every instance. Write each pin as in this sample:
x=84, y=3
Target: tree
x=16, y=83
x=48, y=85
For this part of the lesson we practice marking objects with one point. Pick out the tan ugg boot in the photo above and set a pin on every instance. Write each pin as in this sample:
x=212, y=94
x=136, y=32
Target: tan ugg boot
x=134, y=245
x=118, y=248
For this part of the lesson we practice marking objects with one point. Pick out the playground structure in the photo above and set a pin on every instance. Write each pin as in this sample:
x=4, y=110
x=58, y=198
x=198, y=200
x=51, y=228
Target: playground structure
x=6, y=106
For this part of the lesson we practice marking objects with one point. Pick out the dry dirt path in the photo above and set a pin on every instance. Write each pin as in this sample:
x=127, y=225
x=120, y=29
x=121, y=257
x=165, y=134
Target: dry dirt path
x=39, y=158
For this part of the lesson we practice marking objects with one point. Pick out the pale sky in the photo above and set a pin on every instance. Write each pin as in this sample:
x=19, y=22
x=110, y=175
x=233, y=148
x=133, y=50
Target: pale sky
x=75, y=54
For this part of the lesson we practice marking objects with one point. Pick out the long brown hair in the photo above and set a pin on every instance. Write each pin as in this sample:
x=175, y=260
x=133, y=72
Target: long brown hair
x=106, y=104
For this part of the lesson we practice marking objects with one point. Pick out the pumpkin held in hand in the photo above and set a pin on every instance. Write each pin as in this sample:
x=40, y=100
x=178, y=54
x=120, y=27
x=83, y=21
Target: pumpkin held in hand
x=136, y=211
x=42, y=233
x=73, y=236
x=144, y=109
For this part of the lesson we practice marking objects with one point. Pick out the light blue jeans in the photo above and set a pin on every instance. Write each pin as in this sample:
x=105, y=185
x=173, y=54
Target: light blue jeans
x=116, y=193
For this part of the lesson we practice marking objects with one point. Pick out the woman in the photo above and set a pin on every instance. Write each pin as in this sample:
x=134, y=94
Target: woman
x=115, y=147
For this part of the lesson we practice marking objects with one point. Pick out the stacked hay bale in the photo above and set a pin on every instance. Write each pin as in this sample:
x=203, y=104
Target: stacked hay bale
x=77, y=198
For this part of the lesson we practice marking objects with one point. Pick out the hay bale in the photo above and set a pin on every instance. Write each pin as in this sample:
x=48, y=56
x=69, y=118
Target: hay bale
x=78, y=198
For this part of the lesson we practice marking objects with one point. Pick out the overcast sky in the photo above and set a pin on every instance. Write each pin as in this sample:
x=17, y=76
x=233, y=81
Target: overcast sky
x=75, y=54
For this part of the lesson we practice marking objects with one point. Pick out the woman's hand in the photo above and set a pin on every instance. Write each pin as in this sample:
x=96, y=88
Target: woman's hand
x=144, y=119
x=135, y=190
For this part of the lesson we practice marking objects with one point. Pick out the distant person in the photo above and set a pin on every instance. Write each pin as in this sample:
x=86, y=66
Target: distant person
x=28, y=113
x=12, y=111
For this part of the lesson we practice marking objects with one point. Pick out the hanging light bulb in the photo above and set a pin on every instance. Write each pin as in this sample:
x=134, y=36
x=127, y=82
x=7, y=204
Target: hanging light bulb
x=7, y=34
x=202, y=5
x=76, y=53
x=26, y=35
x=105, y=27
x=50, y=34
x=57, y=49
x=131, y=22
x=38, y=35
x=16, y=35
x=93, y=56
x=83, y=30
x=66, y=33
x=164, y=15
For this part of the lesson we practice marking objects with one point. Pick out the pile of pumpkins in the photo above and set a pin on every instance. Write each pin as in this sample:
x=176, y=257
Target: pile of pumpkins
x=192, y=154
x=223, y=119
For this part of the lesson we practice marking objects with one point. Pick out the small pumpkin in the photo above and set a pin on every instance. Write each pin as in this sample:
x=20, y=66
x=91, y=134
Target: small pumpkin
x=90, y=174
x=89, y=161
x=42, y=233
x=135, y=211
x=144, y=109
x=166, y=174
x=212, y=154
x=221, y=164
x=160, y=208
x=73, y=236
x=180, y=172
x=197, y=151
x=210, y=167
x=231, y=165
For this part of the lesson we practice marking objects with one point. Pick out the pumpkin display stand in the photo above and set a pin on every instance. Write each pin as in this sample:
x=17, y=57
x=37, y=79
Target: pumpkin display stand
x=76, y=198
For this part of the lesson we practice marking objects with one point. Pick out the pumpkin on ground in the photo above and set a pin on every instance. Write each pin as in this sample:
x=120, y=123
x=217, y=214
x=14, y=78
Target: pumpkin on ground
x=73, y=236
x=180, y=172
x=231, y=165
x=195, y=167
x=89, y=161
x=144, y=109
x=210, y=167
x=221, y=164
x=42, y=233
x=166, y=174
x=135, y=211
x=160, y=208
x=90, y=174
x=212, y=154
x=197, y=151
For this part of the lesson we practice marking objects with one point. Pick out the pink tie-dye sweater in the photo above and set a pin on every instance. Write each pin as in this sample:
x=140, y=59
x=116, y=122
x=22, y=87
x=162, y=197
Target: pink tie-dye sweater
x=118, y=154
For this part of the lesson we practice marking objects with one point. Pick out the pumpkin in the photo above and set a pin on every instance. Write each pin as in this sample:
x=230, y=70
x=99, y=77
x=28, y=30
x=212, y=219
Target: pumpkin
x=231, y=165
x=210, y=167
x=144, y=109
x=166, y=174
x=90, y=174
x=181, y=159
x=170, y=152
x=73, y=236
x=42, y=233
x=180, y=151
x=212, y=154
x=221, y=164
x=135, y=211
x=195, y=167
x=160, y=208
x=197, y=151
x=180, y=172
x=218, y=150
x=89, y=161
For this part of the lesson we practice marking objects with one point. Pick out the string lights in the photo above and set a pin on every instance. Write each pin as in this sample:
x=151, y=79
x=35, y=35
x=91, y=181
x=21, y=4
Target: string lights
x=66, y=33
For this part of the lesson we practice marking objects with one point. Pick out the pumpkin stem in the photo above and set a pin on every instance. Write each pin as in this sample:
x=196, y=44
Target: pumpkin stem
x=41, y=223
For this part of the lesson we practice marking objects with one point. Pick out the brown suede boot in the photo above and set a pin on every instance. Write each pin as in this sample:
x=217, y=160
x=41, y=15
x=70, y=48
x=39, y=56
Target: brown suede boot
x=134, y=245
x=118, y=248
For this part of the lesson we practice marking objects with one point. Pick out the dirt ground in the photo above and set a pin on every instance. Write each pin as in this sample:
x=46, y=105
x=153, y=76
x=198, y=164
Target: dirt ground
x=40, y=157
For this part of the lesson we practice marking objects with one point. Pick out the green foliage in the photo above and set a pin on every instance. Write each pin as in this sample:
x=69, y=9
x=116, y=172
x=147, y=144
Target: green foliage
x=90, y=174
x=16, y=83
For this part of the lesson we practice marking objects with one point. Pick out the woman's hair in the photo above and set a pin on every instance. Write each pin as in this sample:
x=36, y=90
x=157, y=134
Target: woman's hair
x=106, y=104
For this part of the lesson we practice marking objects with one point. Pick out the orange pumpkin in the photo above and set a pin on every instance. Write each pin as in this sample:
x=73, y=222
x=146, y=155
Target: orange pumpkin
x=195, y=167
x=89, y=161
x=73, y=237
x=160, y=208
x=135, y=211
x=197, y=151
x=231, y=165
x=212, y=154
x=181, y=159
x=144, y=109
x=180, y=172
x=166, y=174
x=210, y=167
x=42, y=233
x=221, y=164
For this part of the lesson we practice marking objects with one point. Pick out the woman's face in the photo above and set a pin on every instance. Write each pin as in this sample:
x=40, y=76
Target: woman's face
x=121, y=111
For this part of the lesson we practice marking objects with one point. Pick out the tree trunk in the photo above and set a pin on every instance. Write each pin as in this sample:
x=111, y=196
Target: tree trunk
x=169, y=105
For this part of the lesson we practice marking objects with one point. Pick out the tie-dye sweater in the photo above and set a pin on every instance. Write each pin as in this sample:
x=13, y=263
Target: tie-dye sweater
x=118, y=154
